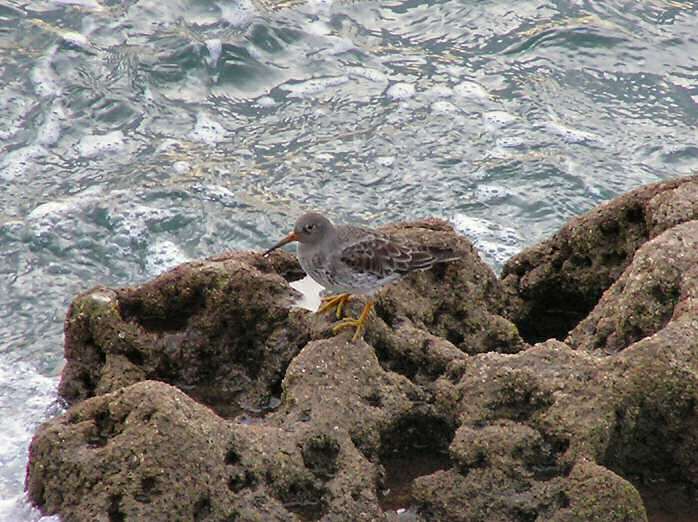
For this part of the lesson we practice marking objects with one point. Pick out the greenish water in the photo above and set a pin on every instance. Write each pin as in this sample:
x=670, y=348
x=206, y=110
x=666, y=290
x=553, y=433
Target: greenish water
x=138, y=134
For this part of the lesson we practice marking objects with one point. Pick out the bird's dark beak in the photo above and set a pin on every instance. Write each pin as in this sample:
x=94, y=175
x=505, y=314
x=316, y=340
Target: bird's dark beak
x=285, y=241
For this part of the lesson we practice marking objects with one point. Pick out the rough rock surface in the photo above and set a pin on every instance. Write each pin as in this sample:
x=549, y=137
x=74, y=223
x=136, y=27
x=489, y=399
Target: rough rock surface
x=555, y=284
x=442, y=390
x=658, y=288
x=220, y=329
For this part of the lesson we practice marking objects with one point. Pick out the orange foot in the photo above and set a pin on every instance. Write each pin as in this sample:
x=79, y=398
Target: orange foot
x=332, y=301
x=359, y=323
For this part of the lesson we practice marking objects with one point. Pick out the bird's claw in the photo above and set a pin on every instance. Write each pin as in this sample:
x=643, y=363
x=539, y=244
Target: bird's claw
x=350, y=323
x=334, y=301
x=358, y=323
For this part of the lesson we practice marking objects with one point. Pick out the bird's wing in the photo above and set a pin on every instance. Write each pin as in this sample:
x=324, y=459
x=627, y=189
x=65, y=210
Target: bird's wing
x=383, y=256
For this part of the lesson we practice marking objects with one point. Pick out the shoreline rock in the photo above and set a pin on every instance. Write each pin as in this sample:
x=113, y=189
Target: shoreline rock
x=444, y=389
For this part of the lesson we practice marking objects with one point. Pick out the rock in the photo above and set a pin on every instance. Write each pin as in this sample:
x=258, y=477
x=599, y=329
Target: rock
x=144, y=452
x=555, y=284
x=659, y=287
x=443, y=406
x=222, y=329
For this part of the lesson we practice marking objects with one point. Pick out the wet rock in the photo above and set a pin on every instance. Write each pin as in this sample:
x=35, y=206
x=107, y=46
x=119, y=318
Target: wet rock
x=555, y=284
x=144, y=452
x=659, y=286
x=528, y=421
x=222, y=329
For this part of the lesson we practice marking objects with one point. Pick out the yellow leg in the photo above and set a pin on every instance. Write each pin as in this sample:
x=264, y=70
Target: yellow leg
x=358, y=323
x=332, y=301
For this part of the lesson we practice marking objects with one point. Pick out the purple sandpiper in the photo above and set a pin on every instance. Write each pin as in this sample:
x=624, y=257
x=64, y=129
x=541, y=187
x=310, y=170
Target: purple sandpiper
x=348, y=260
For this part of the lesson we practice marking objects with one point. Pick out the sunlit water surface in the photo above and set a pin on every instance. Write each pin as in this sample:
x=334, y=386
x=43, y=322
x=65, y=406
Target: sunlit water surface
x=139, y=134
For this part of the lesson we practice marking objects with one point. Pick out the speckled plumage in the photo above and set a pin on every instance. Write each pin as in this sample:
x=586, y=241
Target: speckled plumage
x=358, y=260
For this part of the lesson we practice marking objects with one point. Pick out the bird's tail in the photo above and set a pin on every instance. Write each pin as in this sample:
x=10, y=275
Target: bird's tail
x=423, y=258
x=445, y=254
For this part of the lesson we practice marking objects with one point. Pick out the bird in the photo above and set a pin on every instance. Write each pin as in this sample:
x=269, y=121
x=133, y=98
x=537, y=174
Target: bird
x=349, y=260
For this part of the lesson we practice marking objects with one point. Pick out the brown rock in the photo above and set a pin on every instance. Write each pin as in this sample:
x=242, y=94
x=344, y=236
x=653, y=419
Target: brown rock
x=555, y=284
x=659, y=286
x=222, y=329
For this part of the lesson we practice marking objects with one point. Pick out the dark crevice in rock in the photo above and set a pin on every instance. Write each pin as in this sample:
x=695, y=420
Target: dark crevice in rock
x=320, y=456
x=455, y=337
x=135, y=356
x=247, y=353
x=148, y=489
x=232, y=457
x=543, y=463
x=105, y=429
x=374, y=399
x=668, y=501
x=202, y=508
x=304, y=498
x=554, y=313
x=114, y=511
x=180, y=308
x=223, y=402
x=243, y=479
x=525, y=514
x=400, y=473
x=415, y=445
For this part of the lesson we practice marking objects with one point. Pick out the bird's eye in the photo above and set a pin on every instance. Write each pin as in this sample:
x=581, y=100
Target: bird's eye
x=310, y=227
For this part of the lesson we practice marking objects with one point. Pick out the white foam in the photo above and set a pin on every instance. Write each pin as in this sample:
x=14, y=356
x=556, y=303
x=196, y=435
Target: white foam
x=132, y=221
x=43, y=78
x=217, y=193
x=266, y=101
x=163, y=255
x=15, y=163
x=50, y=131
x=443, y=106
x=400, y=91
x=385, y=161
x=439, y=91
x=45, y=217
x=21, y=384
x=314, y=86
x=569, y=134
x=470, y=89
x=496, y=242
x=207, y=130
x=318, y=27
x=215, y=47
x=15, y=110
x=181, y=166
x=496, y=119
x=93, y=145
x=367, y=73
x=237, y=12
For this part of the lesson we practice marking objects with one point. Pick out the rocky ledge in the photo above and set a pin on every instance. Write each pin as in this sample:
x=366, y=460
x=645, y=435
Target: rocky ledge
x=205, y=394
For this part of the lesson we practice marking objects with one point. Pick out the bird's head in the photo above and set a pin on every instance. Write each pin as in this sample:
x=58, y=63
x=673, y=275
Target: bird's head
x=310, y=229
